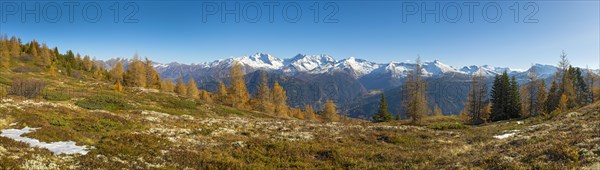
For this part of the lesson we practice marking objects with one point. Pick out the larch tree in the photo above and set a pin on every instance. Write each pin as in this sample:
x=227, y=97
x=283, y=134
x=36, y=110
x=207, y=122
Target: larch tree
x=34, y=53
x=532, y=89
x=167, y=86
x=562, y=104
x=526, y=106
x=414, y=101
x=116, y=72
x=263, y=96
x=118, y=87
x=15, y=47
x=309, y=112
x=87, y=63
x=476, y=101
x=135, y=75
x=152, y=77
x=590, y=79
x=297, y=113
x=540, y=103
x=4, y=55
x=222, y=93
x=44, y=56
x=330, y=112
x=180, y=88
x=279, y=100
x=437, y=111
x=192, y=89
x=52, y=70
x=238, y=95
x=206, y=96
x=383, y=115
x=553, y=96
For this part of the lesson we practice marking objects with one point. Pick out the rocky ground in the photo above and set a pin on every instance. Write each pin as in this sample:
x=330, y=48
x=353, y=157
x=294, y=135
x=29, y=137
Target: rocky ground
x=217, y=138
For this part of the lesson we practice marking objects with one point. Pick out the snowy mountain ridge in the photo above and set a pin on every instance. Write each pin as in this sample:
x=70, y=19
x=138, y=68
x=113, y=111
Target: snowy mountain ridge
x=319, y=64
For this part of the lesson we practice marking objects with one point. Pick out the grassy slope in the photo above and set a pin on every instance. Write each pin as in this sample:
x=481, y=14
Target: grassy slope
x=145, y=129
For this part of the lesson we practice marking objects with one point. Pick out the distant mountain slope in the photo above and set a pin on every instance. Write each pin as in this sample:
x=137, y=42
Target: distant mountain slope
x=312, y=79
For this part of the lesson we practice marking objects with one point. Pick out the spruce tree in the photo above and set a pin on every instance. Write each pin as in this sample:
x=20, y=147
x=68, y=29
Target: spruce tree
x=383, y=115
x=514, y=99
x=505, y=98
x=582, y=91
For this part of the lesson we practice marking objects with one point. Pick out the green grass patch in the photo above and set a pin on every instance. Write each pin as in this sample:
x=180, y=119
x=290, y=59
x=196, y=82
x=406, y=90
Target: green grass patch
x=447, y=126
x=103, y=102
x=55, y=96
x=180, y=104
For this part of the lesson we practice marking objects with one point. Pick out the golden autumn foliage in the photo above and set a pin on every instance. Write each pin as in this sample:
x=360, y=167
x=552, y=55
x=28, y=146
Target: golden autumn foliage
x=192, y=89
x=118, y=87
x=221, y=92
x=180, y=88
x=206, y=96
x=152, y=77
x=167, y=86
x=116, y=72
x=4, y=55
x=309, y=113
x=279, y=100
x=135, y=76
x=330, y=112
x=238, y=95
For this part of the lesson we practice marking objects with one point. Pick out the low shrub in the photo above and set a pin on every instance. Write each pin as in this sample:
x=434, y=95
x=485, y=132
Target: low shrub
x=180, y=104
x=103, y=102
x=56, y=96
x=27, y=69
x=27, y=88
x=446, y=126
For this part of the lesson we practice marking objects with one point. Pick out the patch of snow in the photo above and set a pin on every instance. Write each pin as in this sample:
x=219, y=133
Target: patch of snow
x=57, y=148
x=512, y=133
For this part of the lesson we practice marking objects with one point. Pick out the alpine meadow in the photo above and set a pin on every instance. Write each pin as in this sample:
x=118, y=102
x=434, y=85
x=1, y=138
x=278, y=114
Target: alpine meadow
x=345, y=85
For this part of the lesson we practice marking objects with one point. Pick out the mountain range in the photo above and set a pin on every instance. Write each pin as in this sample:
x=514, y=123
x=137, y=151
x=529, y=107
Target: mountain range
x=353, y=83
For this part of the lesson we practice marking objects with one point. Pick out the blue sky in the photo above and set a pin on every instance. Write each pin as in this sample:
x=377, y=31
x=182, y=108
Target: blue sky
x=168, y=31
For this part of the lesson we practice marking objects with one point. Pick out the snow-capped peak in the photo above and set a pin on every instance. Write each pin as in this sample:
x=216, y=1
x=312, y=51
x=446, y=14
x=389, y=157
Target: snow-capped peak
x=357, y=67
x=310, y=63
